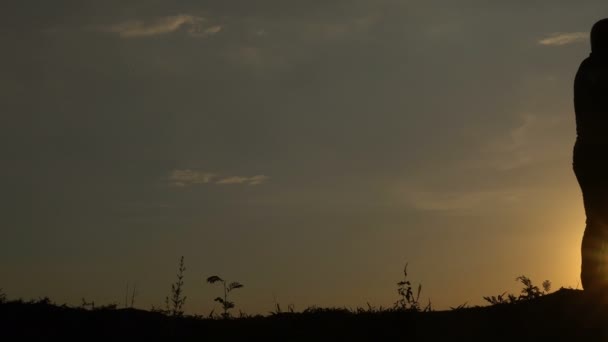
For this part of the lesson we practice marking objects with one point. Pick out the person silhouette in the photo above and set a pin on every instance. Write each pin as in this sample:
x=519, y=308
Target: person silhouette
x=590, y=157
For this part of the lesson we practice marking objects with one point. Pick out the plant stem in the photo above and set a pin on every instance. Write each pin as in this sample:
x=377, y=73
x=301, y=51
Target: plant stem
x=225, y=300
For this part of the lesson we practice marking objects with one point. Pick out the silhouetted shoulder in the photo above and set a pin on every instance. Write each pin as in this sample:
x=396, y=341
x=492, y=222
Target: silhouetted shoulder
x=589, y=71
x=591, y=81
x=591, y=100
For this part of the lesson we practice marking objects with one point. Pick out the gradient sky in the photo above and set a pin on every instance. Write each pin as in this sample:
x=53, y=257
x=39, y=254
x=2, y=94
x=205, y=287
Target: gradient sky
x=306, y=149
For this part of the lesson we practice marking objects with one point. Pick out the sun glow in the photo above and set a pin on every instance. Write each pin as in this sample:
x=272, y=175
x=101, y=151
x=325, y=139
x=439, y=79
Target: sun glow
x=567, y=252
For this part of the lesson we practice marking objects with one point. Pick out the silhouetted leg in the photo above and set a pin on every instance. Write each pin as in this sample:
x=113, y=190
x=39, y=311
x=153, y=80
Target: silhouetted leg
x=593, y=257
x=592, y=174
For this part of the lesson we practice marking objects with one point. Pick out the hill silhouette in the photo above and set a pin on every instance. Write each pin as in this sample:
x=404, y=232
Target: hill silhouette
x=563, y=315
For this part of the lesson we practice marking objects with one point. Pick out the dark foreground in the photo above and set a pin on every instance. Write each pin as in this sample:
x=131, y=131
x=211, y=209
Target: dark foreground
x=566, y=315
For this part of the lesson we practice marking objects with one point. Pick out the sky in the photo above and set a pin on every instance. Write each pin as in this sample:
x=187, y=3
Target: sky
x=306, y=149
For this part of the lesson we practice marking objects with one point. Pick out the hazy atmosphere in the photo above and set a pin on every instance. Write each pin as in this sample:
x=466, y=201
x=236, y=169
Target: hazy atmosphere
x=306, y=149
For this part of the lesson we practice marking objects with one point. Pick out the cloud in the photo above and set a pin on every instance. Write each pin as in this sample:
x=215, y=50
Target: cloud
x=434, y=196
x=213, y=29
x=537, y=139
x=559, y=39
x=165, y=25
x=189, y=177
x=198, y=31
x=516, y=137
x=460, y=201
x=511, y=150
x=255, y=180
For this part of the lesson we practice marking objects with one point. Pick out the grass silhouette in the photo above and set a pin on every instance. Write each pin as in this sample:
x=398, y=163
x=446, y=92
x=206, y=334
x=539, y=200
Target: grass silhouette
x=534, y=313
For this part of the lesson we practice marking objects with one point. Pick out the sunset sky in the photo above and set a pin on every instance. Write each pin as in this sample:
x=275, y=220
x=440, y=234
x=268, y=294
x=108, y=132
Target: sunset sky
x=306, y=149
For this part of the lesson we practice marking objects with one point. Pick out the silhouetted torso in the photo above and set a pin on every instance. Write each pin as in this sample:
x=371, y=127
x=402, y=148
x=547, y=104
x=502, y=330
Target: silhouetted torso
x=591, y=101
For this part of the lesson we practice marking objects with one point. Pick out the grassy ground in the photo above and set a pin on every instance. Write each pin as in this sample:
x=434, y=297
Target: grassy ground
x=562, y=315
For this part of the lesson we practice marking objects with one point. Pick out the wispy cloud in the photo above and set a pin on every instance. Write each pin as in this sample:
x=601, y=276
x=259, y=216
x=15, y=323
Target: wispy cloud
x=559, y=38
x=189, y=177
x=200, y=31
x=460, y=201
x=137, y=28
x=537, y=139
x=516, y=137
x=422, y=195
x=255, y=180
x=213, y=29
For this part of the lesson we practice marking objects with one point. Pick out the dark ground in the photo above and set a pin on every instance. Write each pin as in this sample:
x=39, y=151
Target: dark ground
x=565, y=315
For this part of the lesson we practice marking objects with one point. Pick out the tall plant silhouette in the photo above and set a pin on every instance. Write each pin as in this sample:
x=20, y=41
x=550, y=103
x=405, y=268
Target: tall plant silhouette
x=176, y=303
x=408, y=301
x=226, y=304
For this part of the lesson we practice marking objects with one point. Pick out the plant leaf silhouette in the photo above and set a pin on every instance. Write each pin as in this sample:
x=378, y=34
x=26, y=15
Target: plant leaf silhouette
x=214, y=279
x=234, y=285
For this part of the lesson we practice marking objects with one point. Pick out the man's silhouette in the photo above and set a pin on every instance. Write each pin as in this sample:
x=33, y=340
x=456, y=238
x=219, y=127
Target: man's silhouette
x=590, y=157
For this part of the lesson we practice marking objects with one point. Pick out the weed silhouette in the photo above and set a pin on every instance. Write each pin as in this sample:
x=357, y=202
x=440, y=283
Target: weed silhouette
x=528, y=292
x=278, y=310
x=175, y=305
x=460, y=307
x=531, y=291
x=226, y=304
x=130, y=304
x=84, y=304
x=409, y=302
